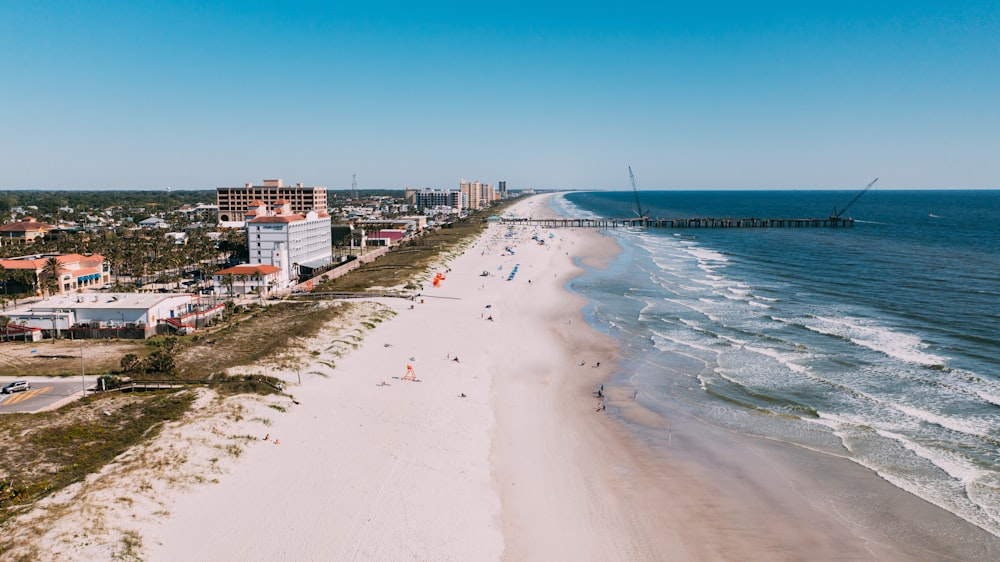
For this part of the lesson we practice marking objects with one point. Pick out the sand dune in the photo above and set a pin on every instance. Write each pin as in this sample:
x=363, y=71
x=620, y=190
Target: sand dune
x=498, y=451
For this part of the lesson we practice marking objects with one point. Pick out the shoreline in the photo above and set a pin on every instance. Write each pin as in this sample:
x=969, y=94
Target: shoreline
x=828, y=506
x=498, y=452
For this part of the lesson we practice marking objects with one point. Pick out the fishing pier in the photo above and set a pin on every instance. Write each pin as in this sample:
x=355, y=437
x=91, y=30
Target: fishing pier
x=645, y=222
x=642, y=219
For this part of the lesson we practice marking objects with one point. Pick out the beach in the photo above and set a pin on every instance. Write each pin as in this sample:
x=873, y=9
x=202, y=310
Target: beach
x=476, y=422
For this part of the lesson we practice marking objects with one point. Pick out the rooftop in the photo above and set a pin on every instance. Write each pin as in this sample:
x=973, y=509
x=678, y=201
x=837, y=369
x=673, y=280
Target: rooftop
x=249, y=269
x=107, y=300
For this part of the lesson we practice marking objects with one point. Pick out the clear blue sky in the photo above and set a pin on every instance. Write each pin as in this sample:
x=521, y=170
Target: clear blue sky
x=692, y=95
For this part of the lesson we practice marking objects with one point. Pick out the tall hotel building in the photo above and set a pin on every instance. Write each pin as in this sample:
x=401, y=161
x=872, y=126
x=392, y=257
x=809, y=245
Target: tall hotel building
x=430, y=198
x=296, y=243
x=477, y=195
x=233, y=202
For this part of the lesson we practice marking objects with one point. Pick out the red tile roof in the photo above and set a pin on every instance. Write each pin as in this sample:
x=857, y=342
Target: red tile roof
x=25, y=226
x=39, y=263
x=85, y=271
x=19, y=264
x=281, y=218
x=249, y=269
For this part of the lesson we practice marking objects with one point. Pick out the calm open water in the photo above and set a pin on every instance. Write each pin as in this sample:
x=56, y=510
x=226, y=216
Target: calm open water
x=879, y=343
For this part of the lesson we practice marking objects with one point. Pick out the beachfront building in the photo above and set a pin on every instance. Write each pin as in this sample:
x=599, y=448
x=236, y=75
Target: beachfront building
x=118, y=315
x=233, y=202
x=477, y=195
x=75, y=272
x=295, y=243
x=24, y=231
x=428, y=198
x=247, y=279
x=502, y=189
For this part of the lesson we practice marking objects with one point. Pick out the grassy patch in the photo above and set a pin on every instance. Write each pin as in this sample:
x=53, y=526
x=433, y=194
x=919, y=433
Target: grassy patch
x=62, y=357
x=44, y=452
x=274, y=334
x=128, y=547
x=404, y=266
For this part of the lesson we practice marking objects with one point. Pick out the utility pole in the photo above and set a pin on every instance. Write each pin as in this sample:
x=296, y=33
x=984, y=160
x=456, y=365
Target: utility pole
x=83, y=379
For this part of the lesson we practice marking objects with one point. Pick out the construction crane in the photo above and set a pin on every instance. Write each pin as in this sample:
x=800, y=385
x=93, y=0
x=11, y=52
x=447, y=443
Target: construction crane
x=836, y=214
x=635, y=191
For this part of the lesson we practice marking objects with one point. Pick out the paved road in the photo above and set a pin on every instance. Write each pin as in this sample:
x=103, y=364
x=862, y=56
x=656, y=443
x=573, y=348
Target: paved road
x=45, y=391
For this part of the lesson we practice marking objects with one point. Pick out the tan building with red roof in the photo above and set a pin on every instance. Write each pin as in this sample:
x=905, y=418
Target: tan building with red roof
x=234, y=201
x=75, y=271
x=23, y=231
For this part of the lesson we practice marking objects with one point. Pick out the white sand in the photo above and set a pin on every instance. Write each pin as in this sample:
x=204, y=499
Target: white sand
x=413, y=470
x=521, y=468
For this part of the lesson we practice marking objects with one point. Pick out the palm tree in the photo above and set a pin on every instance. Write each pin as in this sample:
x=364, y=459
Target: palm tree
x=4, y=324
x=51, y=272
x=228, y=280
x=242, y=278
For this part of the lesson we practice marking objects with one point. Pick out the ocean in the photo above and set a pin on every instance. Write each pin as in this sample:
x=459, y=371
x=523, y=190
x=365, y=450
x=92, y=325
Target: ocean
x=878, y=343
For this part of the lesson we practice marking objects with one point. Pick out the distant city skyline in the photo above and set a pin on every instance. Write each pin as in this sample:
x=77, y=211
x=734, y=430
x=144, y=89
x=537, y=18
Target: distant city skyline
x=553, y=95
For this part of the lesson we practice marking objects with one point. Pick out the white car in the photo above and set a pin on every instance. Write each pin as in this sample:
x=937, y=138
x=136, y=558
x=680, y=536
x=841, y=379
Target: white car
x=16, y=386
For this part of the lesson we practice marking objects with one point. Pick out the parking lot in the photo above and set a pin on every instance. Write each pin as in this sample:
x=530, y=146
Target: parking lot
x=44, y=392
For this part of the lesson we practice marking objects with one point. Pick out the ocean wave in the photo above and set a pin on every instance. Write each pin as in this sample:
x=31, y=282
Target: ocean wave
x=995, y=400
x=966, y=490
x=705, y=255
x=670, y=342
x=785, y=359
x=904, y=347
x=948, y=461
x=950, y=422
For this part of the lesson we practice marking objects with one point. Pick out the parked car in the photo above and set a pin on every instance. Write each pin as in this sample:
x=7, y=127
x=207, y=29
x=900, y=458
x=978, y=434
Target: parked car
x=16, y=386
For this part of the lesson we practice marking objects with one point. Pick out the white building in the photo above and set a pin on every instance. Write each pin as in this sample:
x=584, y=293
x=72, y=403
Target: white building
x=103, y=311
x=154, y=222
x=248, y=279
x=292, y=242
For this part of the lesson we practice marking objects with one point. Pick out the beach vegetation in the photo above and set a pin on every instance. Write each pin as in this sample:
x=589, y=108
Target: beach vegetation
x=405, y=264
x=50, y=450
x=266, y=422
x=130, y=546
x=44, y=452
